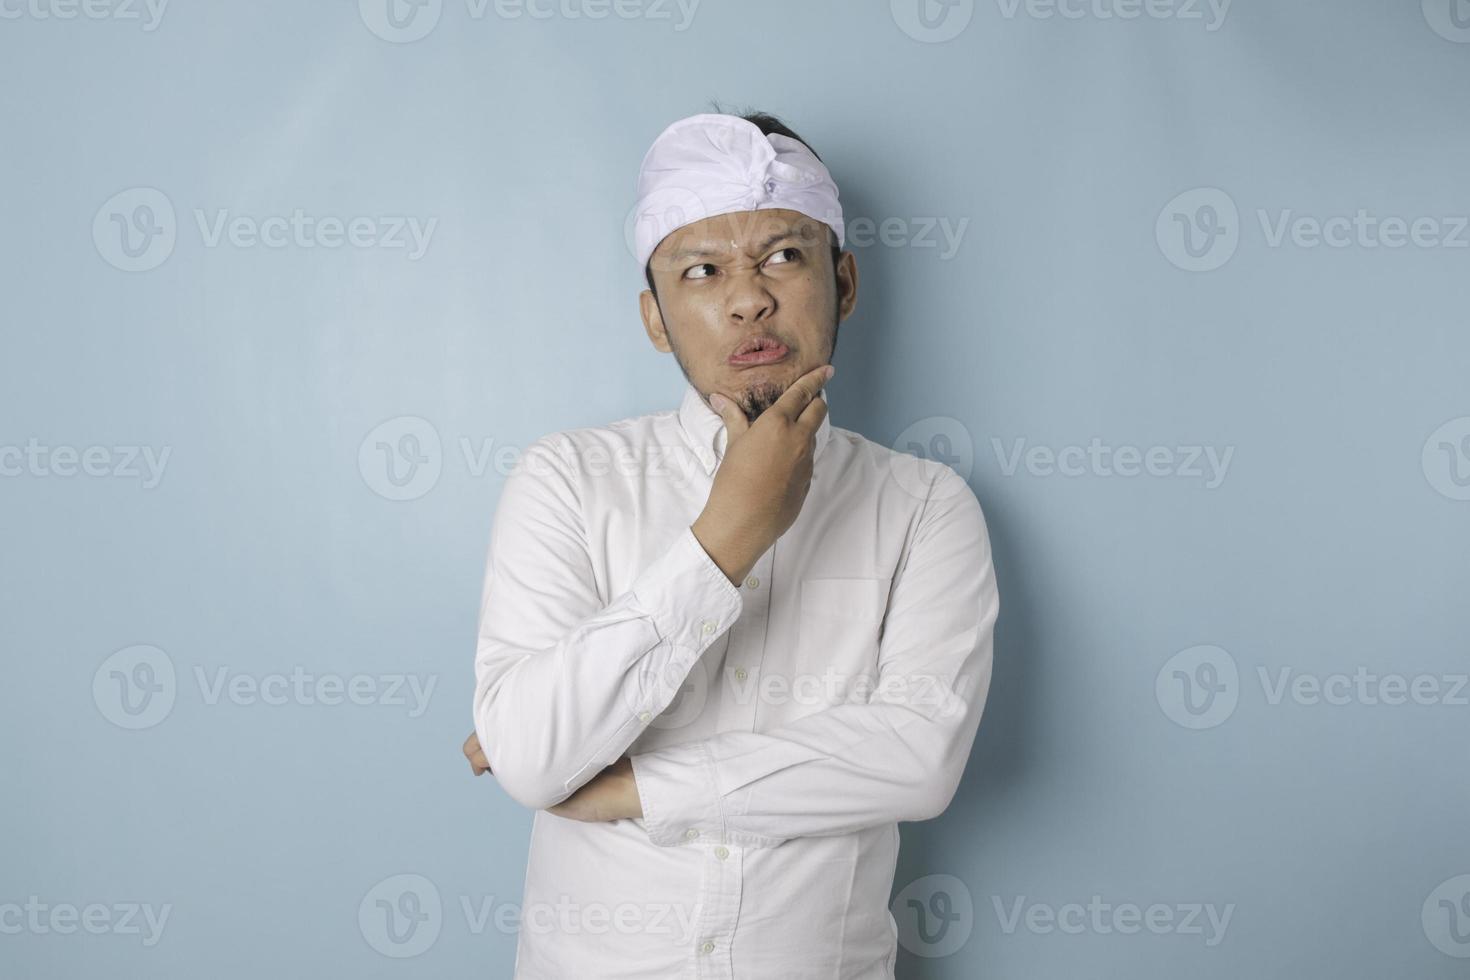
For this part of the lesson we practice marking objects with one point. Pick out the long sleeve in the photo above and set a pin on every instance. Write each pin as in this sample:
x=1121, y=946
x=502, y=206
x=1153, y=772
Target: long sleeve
x=897, y=756
x=564, y=684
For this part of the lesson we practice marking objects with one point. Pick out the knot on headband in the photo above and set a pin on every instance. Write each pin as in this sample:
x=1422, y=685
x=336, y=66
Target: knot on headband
x=712, y=164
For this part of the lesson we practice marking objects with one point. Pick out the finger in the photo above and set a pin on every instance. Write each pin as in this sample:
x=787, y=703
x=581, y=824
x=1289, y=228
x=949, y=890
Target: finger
x=735, y=421
x=810, y=419
x=794, y=400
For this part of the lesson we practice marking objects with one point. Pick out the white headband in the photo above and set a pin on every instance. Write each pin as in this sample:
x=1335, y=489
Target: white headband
x=712, y=164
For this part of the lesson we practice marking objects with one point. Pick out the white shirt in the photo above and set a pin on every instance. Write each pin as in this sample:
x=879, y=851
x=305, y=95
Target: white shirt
x=770, y=791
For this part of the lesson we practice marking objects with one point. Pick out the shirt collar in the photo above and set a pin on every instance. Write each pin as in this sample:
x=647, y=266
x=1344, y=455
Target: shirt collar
x=705, y=430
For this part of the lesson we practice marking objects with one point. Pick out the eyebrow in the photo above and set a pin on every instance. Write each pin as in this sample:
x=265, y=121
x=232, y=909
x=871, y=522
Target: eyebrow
x=700, y=253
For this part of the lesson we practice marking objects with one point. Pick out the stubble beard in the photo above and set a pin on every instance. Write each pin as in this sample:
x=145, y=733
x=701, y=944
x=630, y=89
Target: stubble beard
x=758, y=396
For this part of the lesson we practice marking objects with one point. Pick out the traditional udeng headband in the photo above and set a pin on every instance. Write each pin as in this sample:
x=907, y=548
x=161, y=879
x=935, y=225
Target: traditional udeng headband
x=712, y=164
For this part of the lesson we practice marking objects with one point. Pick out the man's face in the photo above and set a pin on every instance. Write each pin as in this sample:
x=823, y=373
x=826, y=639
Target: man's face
x=727, y=279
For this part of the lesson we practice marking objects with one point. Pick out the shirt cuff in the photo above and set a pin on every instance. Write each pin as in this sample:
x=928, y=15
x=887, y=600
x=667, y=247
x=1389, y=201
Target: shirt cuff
x=690, y=600
x=680, y=798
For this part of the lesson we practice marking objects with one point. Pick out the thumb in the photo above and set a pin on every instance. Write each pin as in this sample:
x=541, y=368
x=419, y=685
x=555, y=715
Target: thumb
x=735, y=420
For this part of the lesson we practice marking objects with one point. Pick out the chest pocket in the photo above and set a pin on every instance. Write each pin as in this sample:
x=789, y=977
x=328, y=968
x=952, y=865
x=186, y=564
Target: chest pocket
x=840, y=623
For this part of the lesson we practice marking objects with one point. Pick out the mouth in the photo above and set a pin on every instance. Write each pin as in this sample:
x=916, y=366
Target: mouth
x=759, y=350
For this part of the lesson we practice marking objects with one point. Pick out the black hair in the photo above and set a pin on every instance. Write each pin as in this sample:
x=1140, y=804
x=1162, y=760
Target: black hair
x=767, y=124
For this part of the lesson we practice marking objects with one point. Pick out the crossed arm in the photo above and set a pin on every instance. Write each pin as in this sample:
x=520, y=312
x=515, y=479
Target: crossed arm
x=564, y=684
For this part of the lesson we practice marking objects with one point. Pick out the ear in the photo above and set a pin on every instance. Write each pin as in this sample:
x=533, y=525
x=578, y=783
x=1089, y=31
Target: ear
x=653, y=322
x=847, y=284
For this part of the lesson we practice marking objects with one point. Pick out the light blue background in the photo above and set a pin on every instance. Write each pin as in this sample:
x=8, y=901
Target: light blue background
x=1333, y=543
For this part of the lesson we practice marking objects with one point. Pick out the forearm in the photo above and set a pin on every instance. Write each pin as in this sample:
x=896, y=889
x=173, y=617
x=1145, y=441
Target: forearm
x=550, y=718
x=895, y=753
x=837, y=771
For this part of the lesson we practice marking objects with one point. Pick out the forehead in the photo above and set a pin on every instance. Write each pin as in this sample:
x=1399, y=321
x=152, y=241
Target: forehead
x=742, y=232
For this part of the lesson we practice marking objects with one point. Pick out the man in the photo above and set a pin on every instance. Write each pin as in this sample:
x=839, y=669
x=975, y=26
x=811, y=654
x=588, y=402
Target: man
x=724, y=649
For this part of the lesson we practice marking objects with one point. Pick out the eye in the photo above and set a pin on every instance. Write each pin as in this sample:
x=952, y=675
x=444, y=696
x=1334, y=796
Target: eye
x=693, y=268
x=774, y=256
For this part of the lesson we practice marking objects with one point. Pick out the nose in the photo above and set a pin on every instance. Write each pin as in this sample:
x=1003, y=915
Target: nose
x=749, y=301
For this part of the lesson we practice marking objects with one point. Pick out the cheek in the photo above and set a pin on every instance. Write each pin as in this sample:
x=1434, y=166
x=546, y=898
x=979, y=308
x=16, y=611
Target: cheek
x=697, y=323
x=812, y=295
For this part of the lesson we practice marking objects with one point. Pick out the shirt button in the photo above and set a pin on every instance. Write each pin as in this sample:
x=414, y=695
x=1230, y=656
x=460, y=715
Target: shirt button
x=707, y=947
x=644, y=716
x=752, y=582
x=722, y=852
x=691, y=833
x=708, y=626
x=740, y=673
